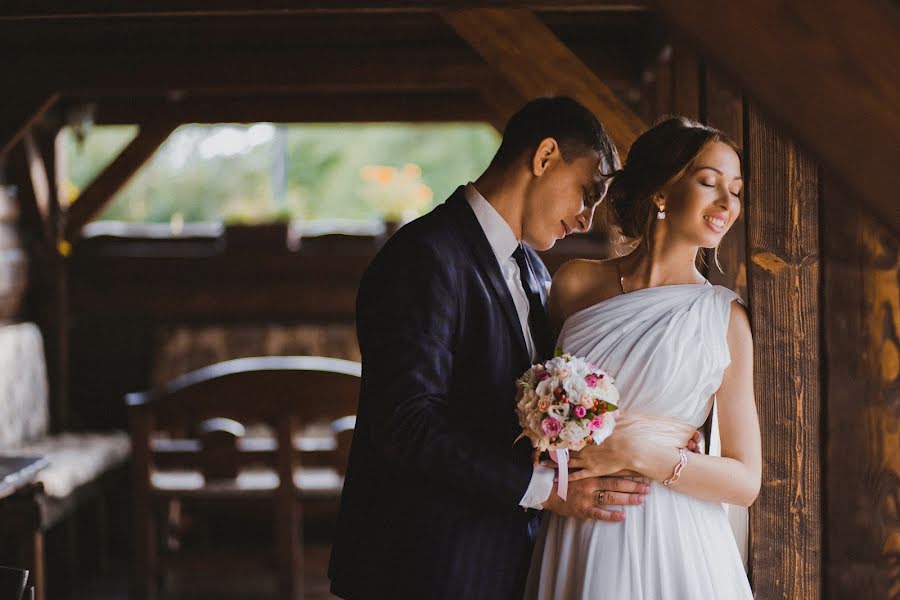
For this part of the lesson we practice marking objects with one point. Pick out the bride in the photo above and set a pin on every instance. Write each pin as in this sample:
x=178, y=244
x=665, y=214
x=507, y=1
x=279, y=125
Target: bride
x=674, y=343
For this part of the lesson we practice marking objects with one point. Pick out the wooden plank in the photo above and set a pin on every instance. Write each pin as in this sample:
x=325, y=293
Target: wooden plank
x=21, y=111
x=101, y=190
x=529, y=55
x=826, y=71
x=782, y=224
x=292, y=108
x=723, y=109
x=56, y=9
x=861, y=318
x=228, y=70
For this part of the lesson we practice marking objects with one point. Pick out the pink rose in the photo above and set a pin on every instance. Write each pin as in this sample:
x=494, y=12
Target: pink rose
x=587, y=401
x=579, y=411
x=597, y=423
x=543, y=404
x=563, y=372
x=542, y=375
x=550, y=427
x=590, y=380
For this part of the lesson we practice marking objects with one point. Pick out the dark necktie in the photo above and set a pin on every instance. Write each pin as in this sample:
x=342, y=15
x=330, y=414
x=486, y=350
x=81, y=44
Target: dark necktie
x=537, y=318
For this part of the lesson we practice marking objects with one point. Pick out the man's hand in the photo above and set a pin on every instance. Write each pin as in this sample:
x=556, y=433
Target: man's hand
x=693, y=444
x=586, y=497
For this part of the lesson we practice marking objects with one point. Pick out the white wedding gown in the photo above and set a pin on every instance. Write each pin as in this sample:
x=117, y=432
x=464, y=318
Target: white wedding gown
x=666, y=348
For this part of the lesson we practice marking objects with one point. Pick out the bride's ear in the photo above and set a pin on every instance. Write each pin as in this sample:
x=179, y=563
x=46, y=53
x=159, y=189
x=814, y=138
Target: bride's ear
x=544, y=153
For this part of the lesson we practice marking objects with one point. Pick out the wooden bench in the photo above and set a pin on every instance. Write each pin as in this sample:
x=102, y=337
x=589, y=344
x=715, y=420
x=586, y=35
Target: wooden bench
x=81, y=464
x=197, y=442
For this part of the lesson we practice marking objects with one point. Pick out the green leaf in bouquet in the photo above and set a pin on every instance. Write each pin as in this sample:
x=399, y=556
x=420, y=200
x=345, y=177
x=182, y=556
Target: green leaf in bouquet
x=557, y=353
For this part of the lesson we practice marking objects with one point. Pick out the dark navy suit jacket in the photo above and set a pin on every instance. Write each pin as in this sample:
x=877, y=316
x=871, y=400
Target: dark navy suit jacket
x=430, y=507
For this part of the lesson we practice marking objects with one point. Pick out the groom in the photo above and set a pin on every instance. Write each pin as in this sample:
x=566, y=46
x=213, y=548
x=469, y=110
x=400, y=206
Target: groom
x=438, y=500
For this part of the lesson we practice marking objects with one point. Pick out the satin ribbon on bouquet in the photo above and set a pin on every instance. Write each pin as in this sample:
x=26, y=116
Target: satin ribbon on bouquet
x=561, y=457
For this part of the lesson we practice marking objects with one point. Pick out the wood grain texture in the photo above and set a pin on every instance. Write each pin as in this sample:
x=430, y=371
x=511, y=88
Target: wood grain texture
x=862, y=324
x=522, y=49
x=783, y=240
x=827, y=71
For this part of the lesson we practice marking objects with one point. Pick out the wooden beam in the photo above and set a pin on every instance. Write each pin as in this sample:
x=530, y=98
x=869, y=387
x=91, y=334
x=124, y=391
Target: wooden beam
x=85, y=9
x=307, y=108
x=783, y=238
x=40, y=184
x=101, y=190
x=861, y=318
x=536, y=63
x=293, y=71
x=21, y=111
x=826, y=71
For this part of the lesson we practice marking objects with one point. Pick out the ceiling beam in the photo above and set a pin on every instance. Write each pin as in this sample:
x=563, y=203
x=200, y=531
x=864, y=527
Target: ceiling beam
x=524, y=51
x=87, y=9
x=101, y=190
x=827, y=71
x=305, y=108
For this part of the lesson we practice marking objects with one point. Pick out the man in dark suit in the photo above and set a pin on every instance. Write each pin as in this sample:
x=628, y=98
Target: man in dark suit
x=438, y=502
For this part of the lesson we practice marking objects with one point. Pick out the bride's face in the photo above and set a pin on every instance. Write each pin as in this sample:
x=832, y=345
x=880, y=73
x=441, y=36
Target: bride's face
x=704, y=204
x=561, y=198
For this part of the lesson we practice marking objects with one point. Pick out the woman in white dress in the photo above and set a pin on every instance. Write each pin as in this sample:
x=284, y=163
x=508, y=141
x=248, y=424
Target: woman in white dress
x=673, y=343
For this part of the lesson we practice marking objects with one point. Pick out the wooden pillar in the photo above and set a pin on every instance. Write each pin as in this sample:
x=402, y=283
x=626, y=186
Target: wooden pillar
x=861, y=317
x=783, y=241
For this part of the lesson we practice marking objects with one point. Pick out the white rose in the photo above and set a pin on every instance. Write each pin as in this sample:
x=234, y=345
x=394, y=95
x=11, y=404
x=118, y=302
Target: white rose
x=609, y=423
x=572, y=432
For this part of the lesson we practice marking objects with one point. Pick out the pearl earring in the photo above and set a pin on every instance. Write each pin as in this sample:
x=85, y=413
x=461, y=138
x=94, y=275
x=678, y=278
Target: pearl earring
x=661, y=213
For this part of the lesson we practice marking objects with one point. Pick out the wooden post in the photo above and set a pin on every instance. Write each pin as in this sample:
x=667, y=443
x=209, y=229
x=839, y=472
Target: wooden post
x=783, y=239
x=861, y=318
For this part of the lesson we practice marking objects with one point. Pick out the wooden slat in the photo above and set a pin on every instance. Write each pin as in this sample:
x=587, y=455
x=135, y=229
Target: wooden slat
x=56, y=9
x=827, y=71
x=291, y=108
x=536, y=63
x=20, y=111
x=723, y=109
x=101, y=190
x=224, y=69
x=782, y=223
x=861, y=317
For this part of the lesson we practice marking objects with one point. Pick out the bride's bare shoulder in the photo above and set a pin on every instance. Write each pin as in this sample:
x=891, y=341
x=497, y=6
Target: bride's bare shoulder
x=580, y=283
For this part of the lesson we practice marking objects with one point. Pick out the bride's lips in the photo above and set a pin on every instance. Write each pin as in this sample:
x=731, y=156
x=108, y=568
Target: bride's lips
x=716, y=222
x=565, y=229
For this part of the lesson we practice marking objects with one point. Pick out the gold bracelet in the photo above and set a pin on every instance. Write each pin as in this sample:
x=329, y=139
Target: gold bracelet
x=682, y=461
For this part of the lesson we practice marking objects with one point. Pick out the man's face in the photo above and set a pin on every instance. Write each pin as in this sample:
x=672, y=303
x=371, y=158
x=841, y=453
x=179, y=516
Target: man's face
x=561, y=198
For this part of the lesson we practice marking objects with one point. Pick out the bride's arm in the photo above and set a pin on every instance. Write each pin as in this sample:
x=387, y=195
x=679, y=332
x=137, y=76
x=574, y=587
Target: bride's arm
x=735, y=476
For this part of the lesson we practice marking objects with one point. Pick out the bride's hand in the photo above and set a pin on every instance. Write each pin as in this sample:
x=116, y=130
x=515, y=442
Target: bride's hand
x=610, y=457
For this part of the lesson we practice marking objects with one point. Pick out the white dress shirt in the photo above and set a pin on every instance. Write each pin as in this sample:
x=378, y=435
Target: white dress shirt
x=503, y=242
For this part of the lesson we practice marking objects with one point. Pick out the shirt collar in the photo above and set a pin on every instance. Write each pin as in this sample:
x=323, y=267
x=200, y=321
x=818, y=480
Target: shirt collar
x=498, y=232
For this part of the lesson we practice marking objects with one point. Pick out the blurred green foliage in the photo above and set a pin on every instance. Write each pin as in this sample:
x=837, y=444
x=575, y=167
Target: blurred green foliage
x=203, y=172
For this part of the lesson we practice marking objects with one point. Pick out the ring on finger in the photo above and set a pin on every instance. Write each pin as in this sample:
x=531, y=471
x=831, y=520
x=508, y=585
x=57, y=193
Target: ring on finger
x=601, y=497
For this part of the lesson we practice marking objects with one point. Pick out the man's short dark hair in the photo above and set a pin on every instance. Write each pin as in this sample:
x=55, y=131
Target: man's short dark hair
x=572, y=125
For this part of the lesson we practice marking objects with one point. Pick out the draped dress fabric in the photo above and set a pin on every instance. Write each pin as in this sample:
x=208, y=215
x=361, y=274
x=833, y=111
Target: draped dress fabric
x=666, y=347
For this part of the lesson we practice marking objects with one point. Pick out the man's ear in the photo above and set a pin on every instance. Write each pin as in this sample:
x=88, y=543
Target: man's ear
x=545, y=153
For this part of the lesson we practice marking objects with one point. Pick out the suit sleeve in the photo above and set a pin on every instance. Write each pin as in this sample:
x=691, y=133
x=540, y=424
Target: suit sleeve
x=407, y=319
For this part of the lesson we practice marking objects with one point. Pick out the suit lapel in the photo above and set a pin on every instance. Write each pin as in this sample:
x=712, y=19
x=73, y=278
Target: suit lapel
x=487, y=262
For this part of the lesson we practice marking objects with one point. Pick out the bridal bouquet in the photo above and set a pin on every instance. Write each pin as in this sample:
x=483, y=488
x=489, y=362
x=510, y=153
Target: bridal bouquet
x=564, y=404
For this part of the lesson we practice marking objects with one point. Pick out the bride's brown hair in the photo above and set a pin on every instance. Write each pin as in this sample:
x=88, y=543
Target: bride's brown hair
x=658, y=158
